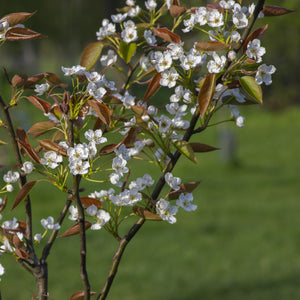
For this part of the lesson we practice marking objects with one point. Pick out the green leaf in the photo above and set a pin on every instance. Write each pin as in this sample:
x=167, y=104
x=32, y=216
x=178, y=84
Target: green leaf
x=126, y=51
x=251, y=88
x=186, y=149
x=91, y=54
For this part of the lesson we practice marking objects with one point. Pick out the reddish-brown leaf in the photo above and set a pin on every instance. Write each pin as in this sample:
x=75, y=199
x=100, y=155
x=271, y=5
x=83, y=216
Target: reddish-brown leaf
x=88, y=201
x=22, y=135
x=256, y=34
x=32, y=81
x=166, y=35
x=176, y=10
x=80, y=295
x=130, y=138
x=30, y=151
x=101, y=110
x=139, y=110
x=273, y=11
x=146, y=214
x=75, y=229
x=17, y=18
x=51, y=146
x=41, y=128
x=21, y=253
x=21, y=33
x=211, y=46
x=153, y=87
x=41, y=104
x=206, y=93
x=198, y=147
x=17, y=242
x=184, y=188
x=52, y=78
x=24, y=191
x=19, y=80
x=108, y=148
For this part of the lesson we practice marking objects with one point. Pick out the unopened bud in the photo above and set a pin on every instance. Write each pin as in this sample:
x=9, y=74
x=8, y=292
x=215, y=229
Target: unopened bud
x=231, y=55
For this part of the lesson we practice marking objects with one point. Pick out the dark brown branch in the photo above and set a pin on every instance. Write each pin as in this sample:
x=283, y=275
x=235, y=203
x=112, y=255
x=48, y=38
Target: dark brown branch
x=23, y=180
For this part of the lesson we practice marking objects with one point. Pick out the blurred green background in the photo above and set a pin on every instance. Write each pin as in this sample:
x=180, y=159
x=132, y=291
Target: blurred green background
x=243, y=242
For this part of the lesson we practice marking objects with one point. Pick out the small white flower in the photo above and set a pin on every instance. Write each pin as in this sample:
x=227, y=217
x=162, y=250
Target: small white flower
x=91, y=210
x=109, y=58
x=9, y=188
x=150, y=38
x=217, y=64
x=145, y=63
x=107, y=29
x=49, y=224
x=75, y=70
x=79, y=151
x=73, y=213
x=79, y=167
x=150, y=4
x=40, y=89
x=172, y=181
x=129, y=35
x=162, y=61
x=231, y=55
x=115, y=179
x=189, y=24
x=51, y=159
x=11, y=177
x=255, y=51
x=118, y=18
x=240, y=121
x=169, y=77
x=134, y=11
x=2, y=270
x=38, y=237
x=164, y=123
x=166, y=211
x=27, y=167
x=102, y=218
x=185, y=200
x=240, y=20
x=95, y=136
x=235, y=36
x=264, y=73
x=119, y=165
x=130, y=2
x=214, y=18
x=11, y=224
x=201, y=16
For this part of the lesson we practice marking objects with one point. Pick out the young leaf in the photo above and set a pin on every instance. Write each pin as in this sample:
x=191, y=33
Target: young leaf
x=22, y=135
x=80, y=295
x=32, y=81
x=41, y=104
x=186, y=149
x=75, y=229
x=146, y=214
x=166, y=35
x=184, y=188
x=206, y=93
x=88, y=201
x=25, y=190
x=254, y=35
x=52, y=78
x=273, y=11
x=30, y=151
x=21, y=33
x=101, y=110
x=153, y=87
x=251, y=88
x=211, y=46
x=41, y=128
x=17, y=18
x=198, y=147
x=127, y=50
x=176, y=11
x=51, y=146
x=91, y=54
x=19, y=80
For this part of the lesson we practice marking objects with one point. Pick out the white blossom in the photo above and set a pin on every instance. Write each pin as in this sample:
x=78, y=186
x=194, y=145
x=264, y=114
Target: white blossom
x=91, y=210
x=119, y=165
x=95, y=136
x=150, y=4
x=107, y=29
x=264, y=73
x=169, y=77
x=214, y=18
x=134, y=11
x=73, y=213
x=75, y=70
x=166, y=211
x=255, y=51
x=201, y=16
x=27, y=167
x=150, y=38
x=78, y=152
x=217, y=64
x=11, y=224
x=38, y=237
x=51, y=159
x=172, y=181
x=11, y=177
x=40, y=89
x=9, y=188
x=79, y=167
x=49, y=224
x=162, y=61
x=129, y=35
x=118, y=18
x=185, y=200
x=109, y=58
x=102, y=218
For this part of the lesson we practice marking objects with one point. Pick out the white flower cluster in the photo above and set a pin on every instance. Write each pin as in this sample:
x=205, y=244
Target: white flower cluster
x=129, y=34
x=49, y=224
x=10, y=177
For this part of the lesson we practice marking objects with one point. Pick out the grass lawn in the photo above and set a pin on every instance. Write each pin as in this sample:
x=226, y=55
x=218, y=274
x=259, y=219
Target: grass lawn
x=243, y=242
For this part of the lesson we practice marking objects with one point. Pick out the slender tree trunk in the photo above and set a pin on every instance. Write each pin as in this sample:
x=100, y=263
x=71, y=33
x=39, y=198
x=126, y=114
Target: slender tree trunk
x=41, y=276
